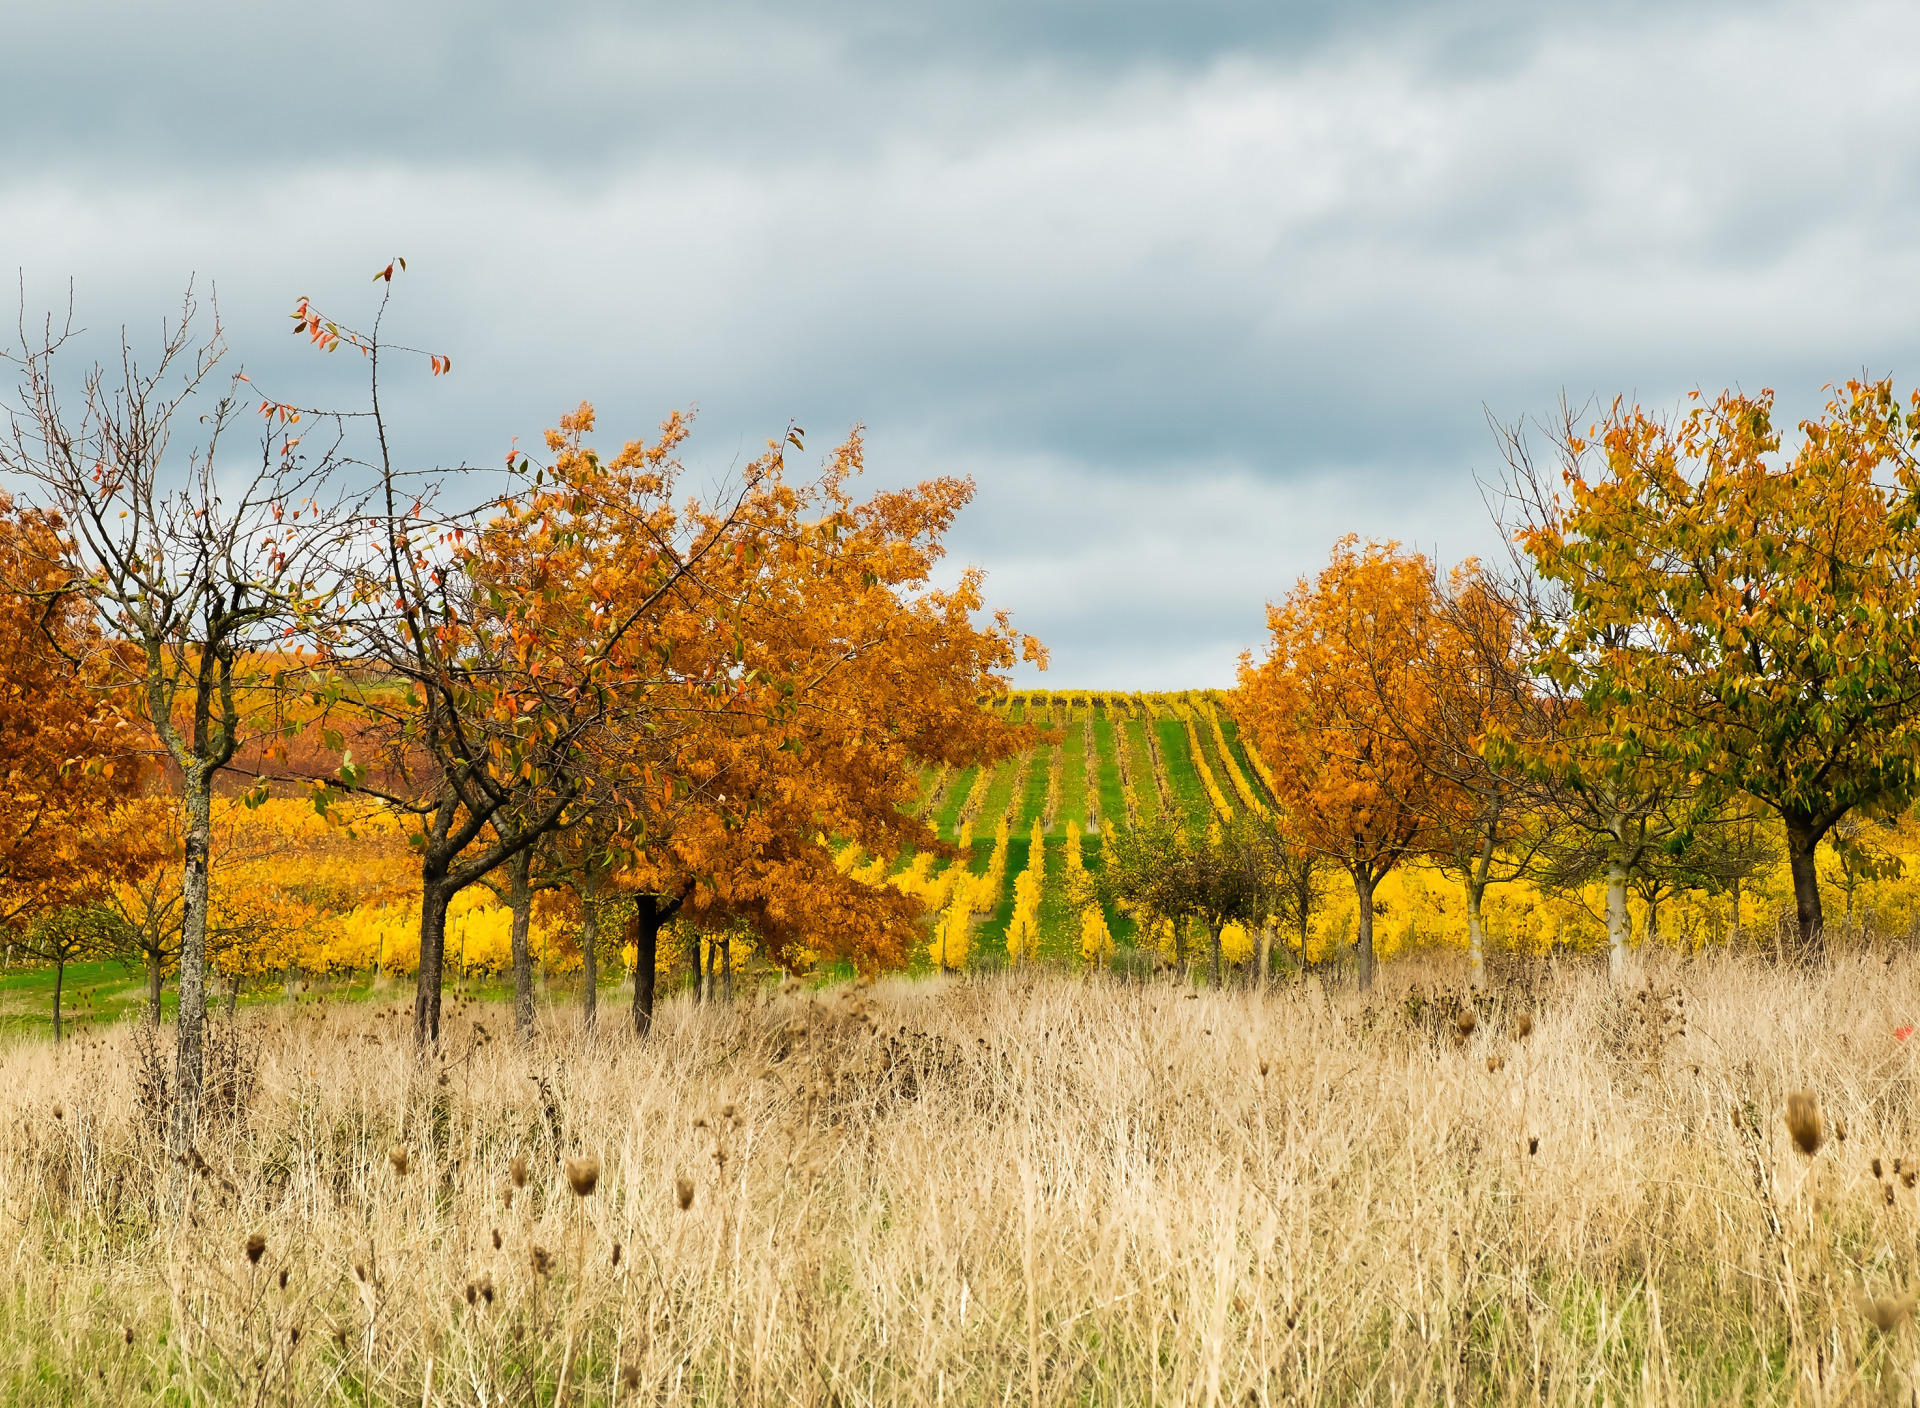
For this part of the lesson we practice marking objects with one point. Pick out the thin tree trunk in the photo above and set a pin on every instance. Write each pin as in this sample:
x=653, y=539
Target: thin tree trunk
x=1733, y=935
x=589, y=958
x=434, y=897
x=233, y=994
x=1213, y=944
x=59, y=978
x=1266, y=954
x=726, y=967
x=189, y=1060
x=154, y=979
x=1617, y=922
x=1802, y=841
x=646, y=951
x=1476, y=935
x=520, y=902
x=1363, y=886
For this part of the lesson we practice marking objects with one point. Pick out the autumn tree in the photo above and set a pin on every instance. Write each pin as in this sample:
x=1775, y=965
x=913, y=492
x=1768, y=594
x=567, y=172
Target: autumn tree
x=1350, y=785
x=1739, y=618
x=197, y=578
x=794, y=685
x=1229, y=873
x=68, y=753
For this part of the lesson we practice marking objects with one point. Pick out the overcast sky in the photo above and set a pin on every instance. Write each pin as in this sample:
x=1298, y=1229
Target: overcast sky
x=1189, y=289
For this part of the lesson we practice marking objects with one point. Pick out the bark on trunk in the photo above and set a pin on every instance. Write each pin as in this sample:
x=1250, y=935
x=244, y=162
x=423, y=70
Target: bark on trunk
x=1363, y=885
x=233, y=994
x=189, y=1059
x=1802, y=841
x=520, y=903
x=726, y=967
x=1617, y=923
x=59, y=979
x=646, y=950
x=1476, y=937
x=433, y=946
x=589, y=958
x=1213, y=946
x=1733, y=935
x=1266, y=954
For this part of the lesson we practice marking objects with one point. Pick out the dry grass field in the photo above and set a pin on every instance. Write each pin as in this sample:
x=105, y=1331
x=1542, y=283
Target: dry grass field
x=1025, y=1189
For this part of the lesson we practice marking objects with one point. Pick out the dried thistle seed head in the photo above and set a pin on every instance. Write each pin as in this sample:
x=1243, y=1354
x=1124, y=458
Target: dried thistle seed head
x=583, y=1175
x=256, y=1248
x=283, y=1278
x=496, y=1239
x=1907, y=1178
x=506, y=1197
x=1885, y=1313
x=486, y=1287
x=1876, y=1168
x=1523, y=1026
x=1803, y=1122
x=517, y=1170
x=128, y=1330
x=59, y=1110
x=542, y=1261
x=1494, y=1063
x=1466, y=1023
x=293, y=1335
x=726, y=1112
x=359, y=1271
x=473, y=1293
x=398, y=1157
x=1533, y=1145
x=616, y=1253
x=699, y=1121
x=683, y=1192
x=1264, y=1068
x=1887, y=1189
x=630, y=1378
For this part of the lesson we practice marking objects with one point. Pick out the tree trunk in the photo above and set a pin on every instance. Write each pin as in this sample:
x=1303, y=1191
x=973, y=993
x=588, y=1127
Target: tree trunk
x=1363, y=885
x=1617, y=923
x=1266, y=954
x=1802, y=841
x=646, y=951
x=1733, y=935
x=589, y=958
x=1213, y=945
x=59, y=978
x=1306, y=928
x=1476, y=936
x=520, y=903
x=233, y=994
x=154, y=980
x=726, y=967
x=189, y=1060
x=434, y=897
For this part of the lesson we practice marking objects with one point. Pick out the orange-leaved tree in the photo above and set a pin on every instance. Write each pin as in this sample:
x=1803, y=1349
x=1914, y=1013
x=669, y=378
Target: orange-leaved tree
x=1740, y=620
x=1349, y=784
x=800, y=679
x=69, y=755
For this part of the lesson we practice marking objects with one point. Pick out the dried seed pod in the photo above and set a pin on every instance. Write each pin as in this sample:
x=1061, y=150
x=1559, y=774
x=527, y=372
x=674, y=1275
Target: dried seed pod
x=683, y=1192
x=542, y=1261
x=1523, y=1026
x=283, y=1278
x=517, y=1170
x=1466, y=1023
x=1533, y=1145
x=486, y=1287
x=399, y=1158
x=1876, y=1168
x=1885, y=1313
x=583, y=1175
x=256, y=1248
x=496, y=1239
x=616, y=1253
x=1494, y=1063
x=1803, y=1122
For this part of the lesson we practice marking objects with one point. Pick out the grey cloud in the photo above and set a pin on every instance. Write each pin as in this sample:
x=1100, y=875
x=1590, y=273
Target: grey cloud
x=1188, y=304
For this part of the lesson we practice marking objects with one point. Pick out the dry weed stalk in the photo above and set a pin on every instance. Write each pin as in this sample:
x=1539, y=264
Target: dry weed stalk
x=1079, y=1190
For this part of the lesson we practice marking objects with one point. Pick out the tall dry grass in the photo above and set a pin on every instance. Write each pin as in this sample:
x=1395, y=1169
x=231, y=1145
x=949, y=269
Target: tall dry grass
x=1016, y=1190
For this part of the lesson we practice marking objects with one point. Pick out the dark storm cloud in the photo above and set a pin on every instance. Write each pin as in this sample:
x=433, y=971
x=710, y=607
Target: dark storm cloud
x=1190, y=290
